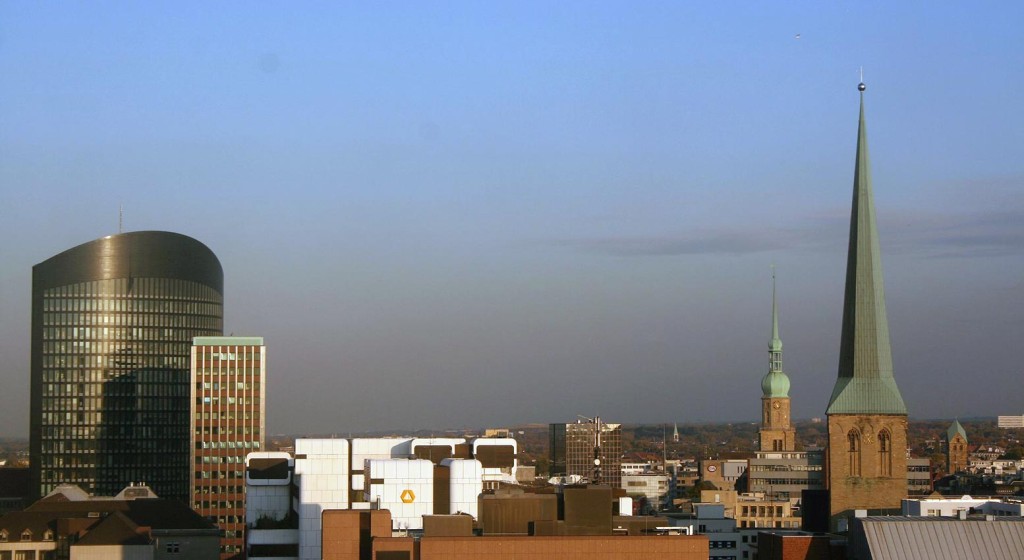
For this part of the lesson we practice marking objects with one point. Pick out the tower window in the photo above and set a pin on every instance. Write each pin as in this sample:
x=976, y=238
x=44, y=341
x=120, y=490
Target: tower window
x=853, y=438
x=884, y=453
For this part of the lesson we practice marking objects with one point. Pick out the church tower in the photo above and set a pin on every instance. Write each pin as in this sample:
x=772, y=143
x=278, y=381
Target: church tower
x=866, y=466
x=777, y=433
x=956, y=448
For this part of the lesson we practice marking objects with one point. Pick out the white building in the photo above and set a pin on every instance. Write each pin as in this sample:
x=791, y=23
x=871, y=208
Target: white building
x=411, y=477
x=1011, y=422
x=952, y=507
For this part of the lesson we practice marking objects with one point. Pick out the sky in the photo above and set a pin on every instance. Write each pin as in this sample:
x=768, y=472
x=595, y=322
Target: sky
x=476, y=214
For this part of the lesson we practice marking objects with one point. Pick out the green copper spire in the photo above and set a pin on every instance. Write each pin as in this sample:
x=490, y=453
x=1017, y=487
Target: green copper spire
x=865, y=384
x=776, y=345
x=775, y=383
x=954, y=429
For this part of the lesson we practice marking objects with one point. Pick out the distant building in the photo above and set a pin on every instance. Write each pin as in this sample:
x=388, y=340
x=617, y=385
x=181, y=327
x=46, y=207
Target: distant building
x=112, y=328
x=956, y=448
x=867, y=418
x=785, y=475
x=954, y=507
x=777, y=432
x=68, y=524
x=1012, y=422
x=722, y=473
x=591, y=449
x=228, y=422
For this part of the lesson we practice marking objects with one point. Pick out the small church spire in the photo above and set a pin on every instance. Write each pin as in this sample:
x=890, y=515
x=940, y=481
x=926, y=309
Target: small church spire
x=775, y=383
x=776, y=344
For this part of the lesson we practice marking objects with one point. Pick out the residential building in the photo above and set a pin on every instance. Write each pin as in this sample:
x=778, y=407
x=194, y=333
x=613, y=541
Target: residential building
x=69, y=524
x=228, y=399
x=867, y=419
x=112, y=328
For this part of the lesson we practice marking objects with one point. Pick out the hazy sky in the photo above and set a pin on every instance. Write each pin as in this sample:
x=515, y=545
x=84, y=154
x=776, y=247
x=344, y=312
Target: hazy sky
x=445, y=214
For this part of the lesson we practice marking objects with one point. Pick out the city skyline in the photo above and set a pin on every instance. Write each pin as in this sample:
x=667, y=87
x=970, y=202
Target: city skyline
x=434, y=216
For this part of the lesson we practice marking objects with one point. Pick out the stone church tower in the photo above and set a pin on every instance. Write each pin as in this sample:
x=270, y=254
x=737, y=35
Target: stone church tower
x=777, y=433
x=956, y=448
x=866, y=465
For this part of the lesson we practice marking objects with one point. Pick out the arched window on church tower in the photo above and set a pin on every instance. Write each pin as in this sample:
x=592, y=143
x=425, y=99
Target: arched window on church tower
x=854, y=452
x=884, y=453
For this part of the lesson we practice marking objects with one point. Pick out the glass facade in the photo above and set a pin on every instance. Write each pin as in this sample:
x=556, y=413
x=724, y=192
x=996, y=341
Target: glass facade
x=111, y=346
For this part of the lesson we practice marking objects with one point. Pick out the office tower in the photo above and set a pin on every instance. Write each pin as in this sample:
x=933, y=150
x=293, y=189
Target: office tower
x=590, y=449
x=867, y=419
x=228, y=411
x=777, y=433
x=956, y=448
x=112, y=328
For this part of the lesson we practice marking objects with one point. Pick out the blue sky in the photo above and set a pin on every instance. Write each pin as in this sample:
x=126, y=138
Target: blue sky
x=475, y=214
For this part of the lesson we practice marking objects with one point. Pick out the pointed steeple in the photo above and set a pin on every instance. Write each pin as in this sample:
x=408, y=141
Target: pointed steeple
x=675, y=433
x=954, y=429
x=776, y=345
x=865, y=384
x=775, y=383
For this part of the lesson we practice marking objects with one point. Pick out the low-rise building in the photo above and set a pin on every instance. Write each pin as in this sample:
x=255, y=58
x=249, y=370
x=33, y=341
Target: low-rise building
x=68, y=524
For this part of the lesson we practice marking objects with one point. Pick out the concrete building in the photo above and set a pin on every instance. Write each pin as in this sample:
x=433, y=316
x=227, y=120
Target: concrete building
x=785, y=475
x=228, y=399
x=412, y=477
x=722, y=473
x=867, y=419
x=952, y=507
x=591, y=449
x=1010, y=422
x=68, y=524
x=652, y=487
x=956, y=448
x=112, y=328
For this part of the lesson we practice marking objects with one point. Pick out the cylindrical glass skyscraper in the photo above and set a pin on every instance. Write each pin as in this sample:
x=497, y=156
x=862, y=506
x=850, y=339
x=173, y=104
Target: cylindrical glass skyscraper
x=112, y=328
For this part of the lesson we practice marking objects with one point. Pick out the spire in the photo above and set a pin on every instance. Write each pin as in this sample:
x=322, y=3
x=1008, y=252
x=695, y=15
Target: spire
x=954, y=429
x=675, y=433
x=865, y=384
x=776, y=345
x=775, y=383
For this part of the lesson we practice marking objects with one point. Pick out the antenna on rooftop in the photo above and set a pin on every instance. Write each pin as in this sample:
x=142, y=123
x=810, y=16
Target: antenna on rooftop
x=120, y=218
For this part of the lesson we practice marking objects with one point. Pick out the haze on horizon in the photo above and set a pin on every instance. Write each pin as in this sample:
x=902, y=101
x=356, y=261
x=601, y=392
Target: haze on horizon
x=490, y=214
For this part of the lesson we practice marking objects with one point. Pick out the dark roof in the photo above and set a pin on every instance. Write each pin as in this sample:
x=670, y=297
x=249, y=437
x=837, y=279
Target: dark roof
x=14, y=483
x=157, y=513
x=16, y=522
x=116, y=529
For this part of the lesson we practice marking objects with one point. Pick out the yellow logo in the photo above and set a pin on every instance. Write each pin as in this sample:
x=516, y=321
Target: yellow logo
x=408, y=497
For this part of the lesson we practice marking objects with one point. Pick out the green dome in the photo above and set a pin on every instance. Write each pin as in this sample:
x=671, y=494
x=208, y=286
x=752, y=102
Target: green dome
x=775, y=384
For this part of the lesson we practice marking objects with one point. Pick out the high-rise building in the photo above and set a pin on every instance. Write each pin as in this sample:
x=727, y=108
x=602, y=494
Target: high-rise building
x=777, y=433
x=956, y=448
x=590, y=449
x=112, y=328
x=867, y=419
x=228, y=412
